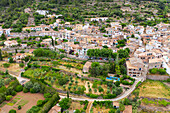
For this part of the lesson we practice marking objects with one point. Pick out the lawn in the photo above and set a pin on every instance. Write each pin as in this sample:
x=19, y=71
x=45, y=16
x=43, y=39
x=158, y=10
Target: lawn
x=26, y=100
x=154, y=89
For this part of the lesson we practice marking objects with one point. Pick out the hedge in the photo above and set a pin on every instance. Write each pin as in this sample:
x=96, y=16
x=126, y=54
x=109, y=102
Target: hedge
x=138, y=83
x=55, y=98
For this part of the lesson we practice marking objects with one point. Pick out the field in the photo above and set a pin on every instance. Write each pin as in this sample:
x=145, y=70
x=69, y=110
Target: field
x=14, y=67
x=99, y=109
x=75, y=105
x=154, y=89
x=26, y=100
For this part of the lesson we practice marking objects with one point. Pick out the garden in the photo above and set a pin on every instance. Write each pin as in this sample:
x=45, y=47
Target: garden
x=156, y=71
x=158, y=103
x=21, y=102
x=15, y=97
x=73, y=83
x=59, y=74
x=103, y=106
x=153, y=89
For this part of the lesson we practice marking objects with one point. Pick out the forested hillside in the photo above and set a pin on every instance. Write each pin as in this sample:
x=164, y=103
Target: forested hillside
x=78, y=11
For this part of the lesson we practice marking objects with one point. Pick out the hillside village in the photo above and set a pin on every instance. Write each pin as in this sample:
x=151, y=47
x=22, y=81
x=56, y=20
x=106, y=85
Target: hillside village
x=149, y=45
x=99, y=63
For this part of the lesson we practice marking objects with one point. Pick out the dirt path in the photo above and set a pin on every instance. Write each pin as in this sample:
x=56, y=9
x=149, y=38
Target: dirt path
x=89, y=106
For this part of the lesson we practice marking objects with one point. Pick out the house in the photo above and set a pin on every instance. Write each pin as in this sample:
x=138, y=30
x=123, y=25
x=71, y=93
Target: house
x=55, y=109
x=153, y=44
x=79, y=27
x=134, y=67
x=86, y=67
x=27, y=10
x=31, y=51
x=116, y=25
x=99, y=19
x=155, y=63
x=145, y=56
x=18, y=57
x=128, y=109
x=67, y=24
x=149, y=30
x=5, y=31
x=23, y=45
x=42, y=12
x=10, y=43
x=49, y=40
x=54, y=15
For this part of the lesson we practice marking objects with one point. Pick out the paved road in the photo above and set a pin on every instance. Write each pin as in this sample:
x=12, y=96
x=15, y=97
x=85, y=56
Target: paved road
x=124, y=95
x=20, y=79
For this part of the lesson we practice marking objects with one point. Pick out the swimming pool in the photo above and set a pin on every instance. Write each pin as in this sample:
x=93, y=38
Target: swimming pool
x=113, y=78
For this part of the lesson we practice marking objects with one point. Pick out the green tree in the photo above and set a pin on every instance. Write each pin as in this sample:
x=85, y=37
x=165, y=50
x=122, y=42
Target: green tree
x=12, y=111
x=67, y=94
x=37, y=87
x=65, y=103
x=21, y=64
x=121, y=107
x=28, y=85
x=19, y=107
x=3, y=37
x=0, y=55
x=11, y=60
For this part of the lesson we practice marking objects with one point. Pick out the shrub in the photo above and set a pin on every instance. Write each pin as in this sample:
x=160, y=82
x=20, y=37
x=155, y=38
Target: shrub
x=21, y=64
x=6, y=65
x=32, y=90
x=162, y=71
x=9, y=97
x=47, y=95
x=92, y=95
x=19, y=107
x=25, y=90
x=28, y=85
x=11, y=60
x=138, y=83
x=19, y=88
x=13, y=93
x=34, y=109
x=7, y=81
x=12, y=111
x=109, y=96
x=154, y=71
x=163, y=102
x=40, y=103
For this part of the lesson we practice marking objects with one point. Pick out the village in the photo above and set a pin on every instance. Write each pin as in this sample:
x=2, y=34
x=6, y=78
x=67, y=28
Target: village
x=88, y=62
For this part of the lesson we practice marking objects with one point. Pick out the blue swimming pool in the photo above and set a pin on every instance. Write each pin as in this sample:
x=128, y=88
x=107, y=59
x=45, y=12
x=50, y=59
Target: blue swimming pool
x=113, y=78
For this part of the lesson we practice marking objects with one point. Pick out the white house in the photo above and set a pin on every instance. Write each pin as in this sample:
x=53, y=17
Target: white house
x=11, y=43
x=54, y=15
x=99, y=19
x=42, y=12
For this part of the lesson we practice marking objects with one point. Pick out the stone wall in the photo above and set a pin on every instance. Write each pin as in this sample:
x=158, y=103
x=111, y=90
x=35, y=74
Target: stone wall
x=157, y=77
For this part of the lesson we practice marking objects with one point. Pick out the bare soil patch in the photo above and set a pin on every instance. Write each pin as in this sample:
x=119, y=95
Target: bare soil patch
x=26, y=100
